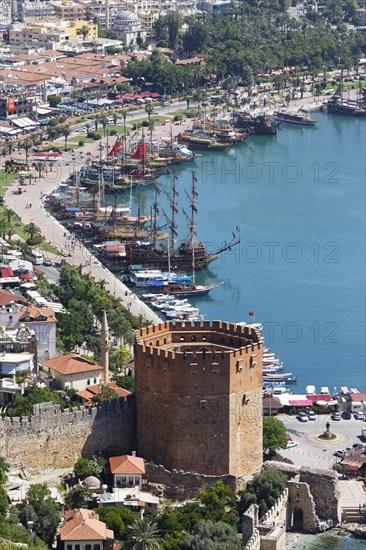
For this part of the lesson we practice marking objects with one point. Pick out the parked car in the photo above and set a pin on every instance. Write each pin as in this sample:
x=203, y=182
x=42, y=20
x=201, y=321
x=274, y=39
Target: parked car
x=311, y=415
x=358, y=446
x=340, y=452
x=291, y=444
x=303, y=417
x=336, y=416
x=359, y=415
x=47, y=261
x=347, y=415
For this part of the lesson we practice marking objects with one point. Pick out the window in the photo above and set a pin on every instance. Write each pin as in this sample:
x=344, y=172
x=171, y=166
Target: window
x=69, y=547
x=88, y=547
x=88, y=382
x=96, y=546
x=137, y=481
x=77, y=546
x=130, y=481
x=95, y=380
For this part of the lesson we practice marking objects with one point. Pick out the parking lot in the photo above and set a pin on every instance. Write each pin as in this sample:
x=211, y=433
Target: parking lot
x=311, y=451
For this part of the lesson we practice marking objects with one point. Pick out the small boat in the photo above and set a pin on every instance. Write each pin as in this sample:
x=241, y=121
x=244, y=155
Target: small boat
x=197, y=141
x=295, y=117
x=285, y=377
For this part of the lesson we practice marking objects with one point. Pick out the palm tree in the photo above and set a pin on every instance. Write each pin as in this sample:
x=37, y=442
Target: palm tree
x=188, y=99
x=84, y=31
x=32, y=229
x=65, y=130
x=39, y=166
x=143, y=535
x=115, y=118
x=104, y=121
x=149, y=109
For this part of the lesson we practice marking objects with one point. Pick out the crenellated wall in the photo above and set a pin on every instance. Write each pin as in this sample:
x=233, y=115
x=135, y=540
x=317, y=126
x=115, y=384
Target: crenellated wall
x=52, y=438
x=199, y=397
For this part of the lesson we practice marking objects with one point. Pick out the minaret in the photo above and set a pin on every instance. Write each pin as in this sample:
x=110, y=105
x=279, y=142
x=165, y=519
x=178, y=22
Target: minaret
x=106, y=14
x=104, y=347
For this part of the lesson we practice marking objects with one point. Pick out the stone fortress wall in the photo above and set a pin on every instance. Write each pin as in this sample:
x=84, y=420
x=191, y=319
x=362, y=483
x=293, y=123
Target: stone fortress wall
x=51, y=438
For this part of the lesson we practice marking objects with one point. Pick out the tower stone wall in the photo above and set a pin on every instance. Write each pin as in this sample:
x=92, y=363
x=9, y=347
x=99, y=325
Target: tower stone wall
x=199, y=397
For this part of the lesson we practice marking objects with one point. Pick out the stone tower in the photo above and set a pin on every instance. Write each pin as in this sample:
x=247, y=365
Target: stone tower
x=199, y=397
x=104, y=347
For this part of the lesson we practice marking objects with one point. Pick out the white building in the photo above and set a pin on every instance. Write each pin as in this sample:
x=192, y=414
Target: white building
x=72, y=371
x=128, y=25
x=127, y=470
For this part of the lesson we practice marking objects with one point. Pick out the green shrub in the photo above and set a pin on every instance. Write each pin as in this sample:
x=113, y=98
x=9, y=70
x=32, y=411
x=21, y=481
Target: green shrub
x=81, y=142
x=37, y=239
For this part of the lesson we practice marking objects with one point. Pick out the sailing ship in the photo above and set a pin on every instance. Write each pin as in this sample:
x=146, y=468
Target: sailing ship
x=295, y=117
x=337, y=105
x=182, y=258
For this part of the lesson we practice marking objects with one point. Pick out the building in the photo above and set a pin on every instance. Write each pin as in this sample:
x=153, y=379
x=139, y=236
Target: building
x=84, y=531
x=70, y=11
x=53, y=34
x=18, y=350
x=128, y=25
x=43, y=321
x=218, y=7
x=127, y=470
x=72, y=371
x=86, y=395
x=16, y=104
x=199, y=397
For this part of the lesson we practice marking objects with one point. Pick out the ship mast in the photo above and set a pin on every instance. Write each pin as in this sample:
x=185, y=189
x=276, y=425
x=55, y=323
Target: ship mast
x=192, y=223
x=155, y=209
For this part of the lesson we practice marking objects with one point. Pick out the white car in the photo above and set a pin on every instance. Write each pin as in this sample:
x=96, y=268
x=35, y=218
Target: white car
x=311, y=415
x=359, y=415
x=303, y=417
x=291, y=444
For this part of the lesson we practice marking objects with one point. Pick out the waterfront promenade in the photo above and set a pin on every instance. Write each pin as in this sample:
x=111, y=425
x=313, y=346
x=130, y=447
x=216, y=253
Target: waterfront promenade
x=71, y=249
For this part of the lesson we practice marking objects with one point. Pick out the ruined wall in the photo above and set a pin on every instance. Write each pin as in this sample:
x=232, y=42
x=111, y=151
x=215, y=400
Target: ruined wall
x=180, y=485
x=51, y=438
x=323, y=485
x=301, y=514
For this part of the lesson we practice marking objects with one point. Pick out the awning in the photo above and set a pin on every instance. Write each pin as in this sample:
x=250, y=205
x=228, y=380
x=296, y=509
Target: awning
x=319, y=397
x=300, y=403
x=26, y=276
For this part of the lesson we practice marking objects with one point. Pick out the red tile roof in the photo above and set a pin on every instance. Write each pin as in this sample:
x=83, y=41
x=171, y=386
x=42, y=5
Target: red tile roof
x=85, y=525
x=7, y=298
x=71, y=364
x=35, y=313
x=90, y=391
x=358, y=396
x=127, y=464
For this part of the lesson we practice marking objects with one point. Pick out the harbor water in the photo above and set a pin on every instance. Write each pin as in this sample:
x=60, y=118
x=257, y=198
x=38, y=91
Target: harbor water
x=299, y=199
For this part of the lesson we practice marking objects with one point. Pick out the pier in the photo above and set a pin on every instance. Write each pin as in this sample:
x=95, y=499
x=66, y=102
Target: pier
x=72, y=250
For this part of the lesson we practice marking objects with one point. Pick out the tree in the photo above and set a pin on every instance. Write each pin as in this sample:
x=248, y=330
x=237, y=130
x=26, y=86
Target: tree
x=207, y=535
x=84, y=468
x=4, y=468
x=42, y=510
x=54, y=100
x=32, y=229
x=274, y=435
x=39, y=166
x=84, y=31
x=77, y=497
x=219, y=503
x=104, y=121
x=149, y=109
x=143, y=535
x=27, y=144
x=106, y=393
x=65, y=131
x=117, y=518
x=3, y=502
x=264, y=490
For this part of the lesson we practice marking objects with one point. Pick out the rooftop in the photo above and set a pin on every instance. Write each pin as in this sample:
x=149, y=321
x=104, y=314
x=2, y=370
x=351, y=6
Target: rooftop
x=71, y=364
x=127, y=464
x=85, y=525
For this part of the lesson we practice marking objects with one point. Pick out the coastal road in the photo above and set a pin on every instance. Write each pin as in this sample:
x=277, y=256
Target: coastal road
x=72, y=250
x=311, y=451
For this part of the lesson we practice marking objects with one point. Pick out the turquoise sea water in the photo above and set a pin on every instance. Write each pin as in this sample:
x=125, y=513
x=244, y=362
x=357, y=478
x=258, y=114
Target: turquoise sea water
x=331, y=540
x=299, y=199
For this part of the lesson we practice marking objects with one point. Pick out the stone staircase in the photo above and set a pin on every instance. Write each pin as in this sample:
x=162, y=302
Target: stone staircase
x=356, y=514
